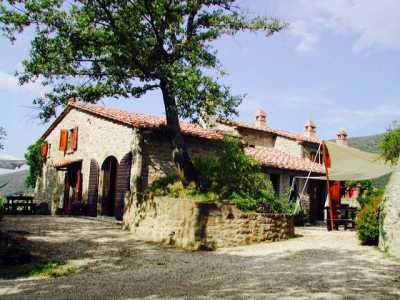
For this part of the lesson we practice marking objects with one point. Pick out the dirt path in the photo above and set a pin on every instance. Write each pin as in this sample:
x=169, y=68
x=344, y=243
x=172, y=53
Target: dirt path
x=317, y=265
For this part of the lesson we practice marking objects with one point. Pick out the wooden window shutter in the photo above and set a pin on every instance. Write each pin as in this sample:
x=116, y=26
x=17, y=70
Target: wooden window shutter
x=75, y=139
x=63, y=140
x=44, y=150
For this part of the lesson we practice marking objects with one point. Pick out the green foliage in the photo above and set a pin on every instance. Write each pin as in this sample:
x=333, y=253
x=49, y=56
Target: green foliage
x=228, y=175
x=95, y=49
x=173, y=186
x=235, y=176
x=365, y=185
x=367, y=222
x=2, y=135
x=35, y=162
x=389, y=144
x=366, y=143
x=2, y=202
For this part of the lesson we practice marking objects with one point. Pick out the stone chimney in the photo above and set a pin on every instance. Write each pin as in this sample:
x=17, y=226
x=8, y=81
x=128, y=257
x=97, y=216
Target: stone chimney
x=310, y=129
x=71, y=100
x=341, y=138
x=261, y=119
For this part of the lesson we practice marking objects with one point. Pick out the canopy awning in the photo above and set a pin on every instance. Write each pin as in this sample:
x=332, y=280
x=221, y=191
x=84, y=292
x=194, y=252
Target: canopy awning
x=347, y=163
x=66, y=163
x=11, y=163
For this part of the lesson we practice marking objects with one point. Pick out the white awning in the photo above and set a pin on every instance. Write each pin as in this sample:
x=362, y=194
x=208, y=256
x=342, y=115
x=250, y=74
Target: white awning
x=347, y=163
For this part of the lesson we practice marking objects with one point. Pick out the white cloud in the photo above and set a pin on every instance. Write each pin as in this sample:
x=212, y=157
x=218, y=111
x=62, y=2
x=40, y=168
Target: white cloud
x=374, y=23
x=384, y=113
x=10, y=83
x=299, y=29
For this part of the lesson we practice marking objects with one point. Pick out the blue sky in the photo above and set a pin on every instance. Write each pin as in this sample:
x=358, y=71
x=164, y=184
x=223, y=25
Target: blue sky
x=337, y=64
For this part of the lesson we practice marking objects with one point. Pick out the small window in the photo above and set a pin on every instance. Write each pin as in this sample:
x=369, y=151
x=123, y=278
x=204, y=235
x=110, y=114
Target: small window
x=275, y=178
x=69, y=140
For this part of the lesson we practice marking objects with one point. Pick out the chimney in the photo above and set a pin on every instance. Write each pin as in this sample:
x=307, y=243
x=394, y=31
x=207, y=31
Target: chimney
x=261, y=119
x=310, y=129
x=341, y=138
x=71, y=100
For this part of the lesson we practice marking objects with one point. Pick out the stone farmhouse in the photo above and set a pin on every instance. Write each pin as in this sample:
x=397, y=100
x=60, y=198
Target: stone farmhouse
x=96, y=156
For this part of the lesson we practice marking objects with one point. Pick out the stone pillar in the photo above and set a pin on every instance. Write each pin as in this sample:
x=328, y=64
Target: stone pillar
x=389, y=239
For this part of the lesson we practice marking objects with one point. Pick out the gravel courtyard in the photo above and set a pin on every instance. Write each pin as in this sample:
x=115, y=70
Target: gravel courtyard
x=112, y=265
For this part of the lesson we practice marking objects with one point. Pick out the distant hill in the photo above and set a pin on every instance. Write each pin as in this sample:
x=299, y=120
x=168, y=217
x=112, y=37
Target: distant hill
x=366, y=143
x=16, y=183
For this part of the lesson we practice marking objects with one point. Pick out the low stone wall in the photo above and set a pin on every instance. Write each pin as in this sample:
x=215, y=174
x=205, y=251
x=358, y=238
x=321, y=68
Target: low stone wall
x=195, y=225
x=227, y=226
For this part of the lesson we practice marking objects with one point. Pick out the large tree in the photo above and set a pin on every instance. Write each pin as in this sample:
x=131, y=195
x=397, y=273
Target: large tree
x=124, y=48
x=389, y=144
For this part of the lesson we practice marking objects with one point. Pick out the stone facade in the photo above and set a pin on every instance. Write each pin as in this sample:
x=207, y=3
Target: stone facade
x=193, y=225
x=289, y=146
x=389, y=239
x=103, y=134
x=98, y=139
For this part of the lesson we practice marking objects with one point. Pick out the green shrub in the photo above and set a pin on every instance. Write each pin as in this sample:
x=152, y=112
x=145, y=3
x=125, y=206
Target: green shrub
x=2, y=202
x=228, y=175
x=35, y=162
x=367, y=222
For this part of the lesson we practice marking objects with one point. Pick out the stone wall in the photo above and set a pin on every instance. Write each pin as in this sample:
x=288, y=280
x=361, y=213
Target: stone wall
x=257, y=138
x=288, y=146
x=98, y=139
x=389, y=239
x=195, y=225
x=227, y=226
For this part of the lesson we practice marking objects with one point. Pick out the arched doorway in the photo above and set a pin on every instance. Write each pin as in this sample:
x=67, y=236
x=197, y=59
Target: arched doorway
x=123, y=184
x=93, y=189
x=109, y=171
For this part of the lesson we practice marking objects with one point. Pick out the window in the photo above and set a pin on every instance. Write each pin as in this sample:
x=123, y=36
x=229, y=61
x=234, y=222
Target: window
x=69, y=140
x=275, y=178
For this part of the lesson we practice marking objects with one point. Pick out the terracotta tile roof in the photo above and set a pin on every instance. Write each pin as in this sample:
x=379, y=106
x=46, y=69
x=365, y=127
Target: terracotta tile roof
x=271, y=157
x=290, y=135
x=143, y=121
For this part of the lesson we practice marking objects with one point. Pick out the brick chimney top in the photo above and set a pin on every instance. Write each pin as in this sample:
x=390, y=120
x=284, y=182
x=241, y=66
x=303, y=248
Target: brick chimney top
x=261, y=119
x=71, y=100
x=310, y=129
x=341, y=138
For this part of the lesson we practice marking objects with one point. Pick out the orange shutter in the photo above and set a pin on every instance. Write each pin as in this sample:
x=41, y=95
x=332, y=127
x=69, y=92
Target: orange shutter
x=63, y=140
x=75, y=139
x=44, y=150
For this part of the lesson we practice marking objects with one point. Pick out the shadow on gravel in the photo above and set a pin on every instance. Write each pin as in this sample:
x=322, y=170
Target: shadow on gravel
x=124, y=268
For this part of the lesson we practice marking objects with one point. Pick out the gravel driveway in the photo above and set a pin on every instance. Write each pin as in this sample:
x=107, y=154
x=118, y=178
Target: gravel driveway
x=318, y=264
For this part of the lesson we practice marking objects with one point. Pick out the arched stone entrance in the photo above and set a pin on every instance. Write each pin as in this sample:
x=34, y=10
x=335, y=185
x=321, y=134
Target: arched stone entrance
x=109, y=170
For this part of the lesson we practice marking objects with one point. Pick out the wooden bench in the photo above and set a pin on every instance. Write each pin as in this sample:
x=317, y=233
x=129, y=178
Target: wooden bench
x=345, y=217
x=19, y=205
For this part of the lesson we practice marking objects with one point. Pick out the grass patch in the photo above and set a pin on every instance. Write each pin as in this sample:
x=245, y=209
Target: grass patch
x=36, y=269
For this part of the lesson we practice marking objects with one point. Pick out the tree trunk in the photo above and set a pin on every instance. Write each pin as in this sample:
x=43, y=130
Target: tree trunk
x=180, y=155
